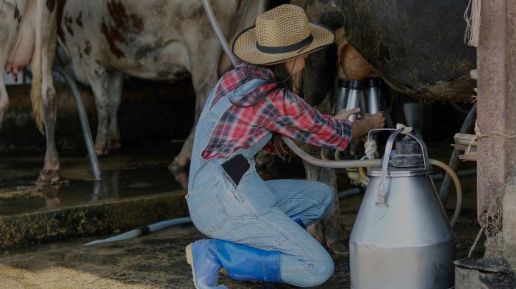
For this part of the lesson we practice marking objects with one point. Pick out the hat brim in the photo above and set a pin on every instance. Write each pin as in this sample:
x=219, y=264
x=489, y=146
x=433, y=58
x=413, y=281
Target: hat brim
x=245, y=48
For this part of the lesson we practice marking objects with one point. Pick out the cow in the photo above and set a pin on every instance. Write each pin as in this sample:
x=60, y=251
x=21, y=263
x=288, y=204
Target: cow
x=416, y=47
x=25, y=37
x=152, y=39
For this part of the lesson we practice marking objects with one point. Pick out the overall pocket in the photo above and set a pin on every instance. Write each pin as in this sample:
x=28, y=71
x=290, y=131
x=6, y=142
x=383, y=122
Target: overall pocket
x=206, y=208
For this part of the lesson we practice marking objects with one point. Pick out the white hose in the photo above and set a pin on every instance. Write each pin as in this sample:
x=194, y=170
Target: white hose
x=218, y=32
x=375, y=163
x=330, y=164
x=458, y=188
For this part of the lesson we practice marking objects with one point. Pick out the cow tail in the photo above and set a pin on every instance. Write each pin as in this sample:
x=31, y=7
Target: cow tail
x=35, y=94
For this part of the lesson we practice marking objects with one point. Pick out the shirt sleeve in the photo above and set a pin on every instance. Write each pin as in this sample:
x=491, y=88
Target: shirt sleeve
x=291, y=116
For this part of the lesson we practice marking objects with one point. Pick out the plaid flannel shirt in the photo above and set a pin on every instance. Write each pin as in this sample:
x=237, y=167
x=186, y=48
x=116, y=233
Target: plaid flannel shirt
x=266, y=109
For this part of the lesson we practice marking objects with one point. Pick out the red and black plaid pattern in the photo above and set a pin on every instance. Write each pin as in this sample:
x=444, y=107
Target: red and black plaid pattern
x=269, y=108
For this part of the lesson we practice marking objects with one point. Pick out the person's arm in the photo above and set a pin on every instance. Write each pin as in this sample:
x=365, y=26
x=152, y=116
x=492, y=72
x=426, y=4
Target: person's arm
x=291, y=116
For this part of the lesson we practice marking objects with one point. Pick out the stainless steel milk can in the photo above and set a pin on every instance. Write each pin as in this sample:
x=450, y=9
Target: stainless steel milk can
x=402, y=238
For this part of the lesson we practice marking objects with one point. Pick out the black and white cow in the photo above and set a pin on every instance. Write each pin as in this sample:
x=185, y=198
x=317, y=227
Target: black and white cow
x=151, y=39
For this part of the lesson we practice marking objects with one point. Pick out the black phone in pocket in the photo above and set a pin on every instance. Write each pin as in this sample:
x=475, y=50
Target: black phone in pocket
x=236, y=167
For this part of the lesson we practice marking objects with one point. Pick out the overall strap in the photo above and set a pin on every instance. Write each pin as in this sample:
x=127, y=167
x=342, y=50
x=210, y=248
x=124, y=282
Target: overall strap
x=209, y=100
x=222, y=105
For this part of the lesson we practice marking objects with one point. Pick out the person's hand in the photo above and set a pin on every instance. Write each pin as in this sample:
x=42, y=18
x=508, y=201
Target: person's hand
x=362, y=127
x=344, y=114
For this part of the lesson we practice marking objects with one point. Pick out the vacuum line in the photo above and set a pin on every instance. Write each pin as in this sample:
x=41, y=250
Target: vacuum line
x=143, y=231
x=83, y=117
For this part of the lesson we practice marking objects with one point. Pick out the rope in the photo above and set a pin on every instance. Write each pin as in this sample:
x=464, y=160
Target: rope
x=371, y=149
x=472, y=18
x=478, y=135
x=404, y=129
x=476, y=241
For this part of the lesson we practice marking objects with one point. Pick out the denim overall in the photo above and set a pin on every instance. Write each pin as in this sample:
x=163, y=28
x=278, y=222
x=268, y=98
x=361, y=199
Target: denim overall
x=255, y=213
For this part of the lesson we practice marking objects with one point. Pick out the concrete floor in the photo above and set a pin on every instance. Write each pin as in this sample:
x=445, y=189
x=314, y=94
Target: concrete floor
x=152, y=262
x=155, y=261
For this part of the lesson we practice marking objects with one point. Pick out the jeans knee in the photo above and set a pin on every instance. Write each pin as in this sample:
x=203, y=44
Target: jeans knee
x=327, y=196
x=322, y=271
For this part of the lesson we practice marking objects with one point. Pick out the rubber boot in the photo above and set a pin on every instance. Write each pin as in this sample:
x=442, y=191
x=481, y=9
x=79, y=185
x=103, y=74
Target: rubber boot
x=295, y=218
x=241, y=262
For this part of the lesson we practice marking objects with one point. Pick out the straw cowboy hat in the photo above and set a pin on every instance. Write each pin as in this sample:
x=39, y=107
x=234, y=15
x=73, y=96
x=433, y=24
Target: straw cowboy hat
x=280, y=34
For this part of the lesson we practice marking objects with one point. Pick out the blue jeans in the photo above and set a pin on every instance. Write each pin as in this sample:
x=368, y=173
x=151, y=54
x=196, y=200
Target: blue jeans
x=257, y=213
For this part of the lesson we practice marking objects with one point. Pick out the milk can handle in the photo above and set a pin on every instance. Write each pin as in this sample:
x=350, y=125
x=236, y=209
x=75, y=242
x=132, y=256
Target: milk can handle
x=382, y=193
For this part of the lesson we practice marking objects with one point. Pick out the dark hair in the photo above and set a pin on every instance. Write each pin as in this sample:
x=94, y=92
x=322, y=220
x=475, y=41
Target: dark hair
x=283, y=77
x=282, y=80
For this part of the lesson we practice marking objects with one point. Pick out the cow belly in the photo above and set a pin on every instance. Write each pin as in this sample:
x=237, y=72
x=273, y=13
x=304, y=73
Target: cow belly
x=416, y=46
x=165, y=62
x=145, y=39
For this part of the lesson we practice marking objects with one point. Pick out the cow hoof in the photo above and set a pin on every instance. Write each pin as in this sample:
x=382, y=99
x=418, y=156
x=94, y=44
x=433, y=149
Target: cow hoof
x=114, y=145
x=338, y=248
x=48, y=177
x=101, y=152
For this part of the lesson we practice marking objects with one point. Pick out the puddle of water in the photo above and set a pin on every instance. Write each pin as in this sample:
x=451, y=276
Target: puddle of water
x=21, y=195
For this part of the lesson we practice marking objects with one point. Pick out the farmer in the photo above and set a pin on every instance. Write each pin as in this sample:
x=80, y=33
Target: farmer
x=257, y=226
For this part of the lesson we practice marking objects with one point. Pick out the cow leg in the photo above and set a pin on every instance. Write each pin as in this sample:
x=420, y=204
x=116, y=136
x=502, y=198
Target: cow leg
x=330, y=230
x=98, y=78
x=114, y=94
x=49, y=116
x=6, y=37
x=204, y=77
x=4, y=100
x=49, y=173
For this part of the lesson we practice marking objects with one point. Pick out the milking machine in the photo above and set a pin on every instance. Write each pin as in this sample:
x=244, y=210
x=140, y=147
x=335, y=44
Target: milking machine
x=354, y=98
x=351, y=94
x=402, y=238
x=340, y=96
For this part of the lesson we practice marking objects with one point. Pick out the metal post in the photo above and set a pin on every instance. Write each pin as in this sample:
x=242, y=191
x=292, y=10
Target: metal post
x=86, y=132
x=468, y=123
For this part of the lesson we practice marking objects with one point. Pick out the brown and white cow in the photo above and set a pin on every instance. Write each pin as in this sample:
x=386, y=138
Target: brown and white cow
x=151, y=39
x=24, y=36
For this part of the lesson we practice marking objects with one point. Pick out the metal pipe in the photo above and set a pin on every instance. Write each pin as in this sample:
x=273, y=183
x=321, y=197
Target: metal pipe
x=462, y=173
x=218, y=32
x=86, y=132
x=468, y=123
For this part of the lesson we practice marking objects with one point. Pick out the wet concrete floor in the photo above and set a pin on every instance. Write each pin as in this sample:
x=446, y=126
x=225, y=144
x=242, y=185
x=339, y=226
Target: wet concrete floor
x=123, y=176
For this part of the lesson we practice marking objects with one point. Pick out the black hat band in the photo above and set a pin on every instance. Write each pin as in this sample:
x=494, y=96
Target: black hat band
x=285, y=49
